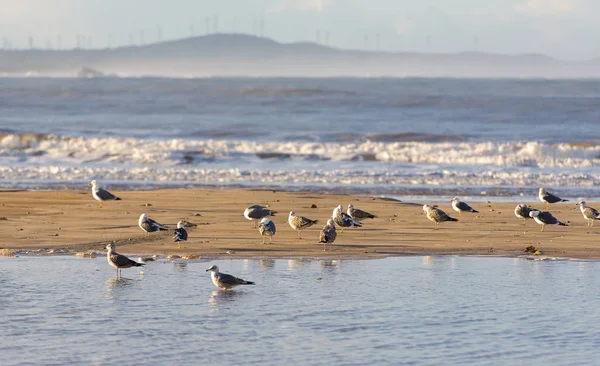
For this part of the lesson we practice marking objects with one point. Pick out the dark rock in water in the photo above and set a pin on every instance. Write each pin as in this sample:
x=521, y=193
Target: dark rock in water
x=273, y=155
x=530, y=249
x=88, y=73
x=364, y=157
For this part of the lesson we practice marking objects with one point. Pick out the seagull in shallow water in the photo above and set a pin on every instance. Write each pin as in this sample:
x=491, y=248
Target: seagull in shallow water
x=549, y=198
x=328, y=234
x=545, y=218
x=436, y=215
x=119, y=261
x=300, y=223
x=589, y=213
x=149, y=225
x=358, y=214
x=180, y=233
x=266, y=227
x=102, y=194
x=225, y=281
x=342, y=219
x=256, y=212
x=460, y=207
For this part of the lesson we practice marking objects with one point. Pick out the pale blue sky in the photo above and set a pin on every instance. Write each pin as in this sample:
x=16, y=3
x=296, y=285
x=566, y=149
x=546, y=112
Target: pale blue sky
x=562, y=28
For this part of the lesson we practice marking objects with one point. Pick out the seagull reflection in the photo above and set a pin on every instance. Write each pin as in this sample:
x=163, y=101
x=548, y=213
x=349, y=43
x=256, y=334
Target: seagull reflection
x=330, y=264
x=180, y=266
x=267, y=264
x=220, y=297
x=294, y=264
x=115, y=286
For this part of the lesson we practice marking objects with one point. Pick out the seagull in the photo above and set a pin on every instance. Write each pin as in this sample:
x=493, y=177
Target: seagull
x=300, y=223
x=460, y=207
x=436, y=215
x=522, y=211
x=549, y=198
x=358, y=214
x=180, y=233
x=257, y=212
x=149, y=225
x=102, y=194
x=328, y=234
x=225, y=281
x=266, y=227
x=589, y=213
x=545, y=218
x=342, y=219
x=119, y=261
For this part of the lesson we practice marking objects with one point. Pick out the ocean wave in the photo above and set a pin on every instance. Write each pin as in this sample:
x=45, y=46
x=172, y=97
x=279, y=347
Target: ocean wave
x=132, y=152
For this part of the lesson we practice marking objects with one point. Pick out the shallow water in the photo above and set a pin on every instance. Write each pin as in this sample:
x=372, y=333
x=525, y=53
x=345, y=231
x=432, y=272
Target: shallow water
x=407, y=310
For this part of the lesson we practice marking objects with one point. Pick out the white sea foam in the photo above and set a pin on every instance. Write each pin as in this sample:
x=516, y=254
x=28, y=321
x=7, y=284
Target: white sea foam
x=30, y=158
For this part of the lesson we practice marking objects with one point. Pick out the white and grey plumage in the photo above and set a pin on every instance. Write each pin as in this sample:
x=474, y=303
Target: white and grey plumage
x=522, y=211
x=119, y=261
x=328, y=234
x=256, y=213
x=149, y=225
x=342, y=219
x=460, y=206
x=225, y=281
x=549, y=198
x=545, y=218
x=358, y=214
x=101, y=195
x=300, y=223
x=589, y=213
x=266, y=227
x=180, y=233
x=436, y=215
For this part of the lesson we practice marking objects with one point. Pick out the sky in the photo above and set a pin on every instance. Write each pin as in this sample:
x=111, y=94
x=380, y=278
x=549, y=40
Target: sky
x=566, y=29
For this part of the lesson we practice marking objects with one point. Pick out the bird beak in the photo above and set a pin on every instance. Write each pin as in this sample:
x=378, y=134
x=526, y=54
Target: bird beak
x=207, y=270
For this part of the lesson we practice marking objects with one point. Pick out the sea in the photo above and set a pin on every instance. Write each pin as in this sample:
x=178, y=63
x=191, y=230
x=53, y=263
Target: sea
x=417, y=310
x=397, y=137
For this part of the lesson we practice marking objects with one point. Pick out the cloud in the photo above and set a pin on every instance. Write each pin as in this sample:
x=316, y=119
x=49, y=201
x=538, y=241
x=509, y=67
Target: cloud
x=545, y=7
x=312, y=6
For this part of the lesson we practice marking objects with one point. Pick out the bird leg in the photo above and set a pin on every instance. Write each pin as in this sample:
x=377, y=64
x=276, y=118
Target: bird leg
x=100, y=204
x=543, y=226
x=270, y=239
x=547, y=205
x=263, y=238
x=299, y=234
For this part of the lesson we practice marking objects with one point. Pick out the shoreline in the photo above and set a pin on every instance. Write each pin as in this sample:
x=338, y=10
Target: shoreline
x=71, y=220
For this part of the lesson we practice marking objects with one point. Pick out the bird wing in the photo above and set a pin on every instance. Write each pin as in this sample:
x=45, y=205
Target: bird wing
x=180, y=235
x=349, y=221
x=121, y=261
x=464, y=207
x=360, y=214
x=549, y=197
x=328, y=234
x=303, y=222
x=439, y=215
x=155, y=224
x=105, y=195
x=230, y=280
x=258, y=212
x=547, y=218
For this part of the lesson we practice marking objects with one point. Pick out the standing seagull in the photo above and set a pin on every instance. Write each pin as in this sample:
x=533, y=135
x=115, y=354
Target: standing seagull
x=522, y=211
x=119, y=261
x=545, y=218
x=328, y=234
x=589, y=213
x=549, y=198
x=102, y=194
x=342, y=219
x=225, y=281
x=436, y=215
x=300, y=223
x=149, y=225
x=180, y=234
x=257, y=212
x=460, y=207
x=267, y=228
x=358, y=214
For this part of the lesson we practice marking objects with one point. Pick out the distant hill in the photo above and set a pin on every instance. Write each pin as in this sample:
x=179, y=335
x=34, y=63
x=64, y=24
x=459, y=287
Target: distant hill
x=246, y=55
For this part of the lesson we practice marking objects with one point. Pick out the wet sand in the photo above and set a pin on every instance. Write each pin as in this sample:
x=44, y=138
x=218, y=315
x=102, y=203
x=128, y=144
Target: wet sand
x=71, y=221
